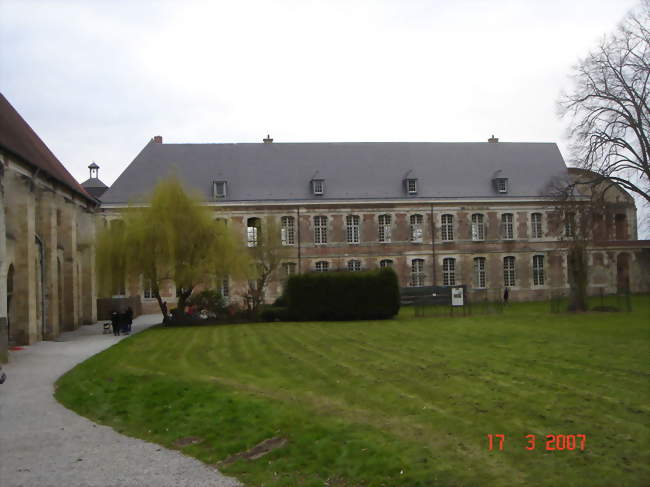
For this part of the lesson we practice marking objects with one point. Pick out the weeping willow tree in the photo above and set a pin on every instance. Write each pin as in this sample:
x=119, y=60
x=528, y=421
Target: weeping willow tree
x=172, y=237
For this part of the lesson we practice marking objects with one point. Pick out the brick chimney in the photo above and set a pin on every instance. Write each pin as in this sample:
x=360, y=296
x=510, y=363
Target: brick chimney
x=157, y=139
x=493, y=139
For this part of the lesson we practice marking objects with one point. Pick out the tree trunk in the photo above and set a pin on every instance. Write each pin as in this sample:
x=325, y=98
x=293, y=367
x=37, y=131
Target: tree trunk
x=578, y=278
x=163, y=307
x=182, y=299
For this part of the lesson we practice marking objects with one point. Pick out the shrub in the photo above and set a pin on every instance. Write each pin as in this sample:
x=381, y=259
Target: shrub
x=343, y=295
x=274, y=313
x=209, y=300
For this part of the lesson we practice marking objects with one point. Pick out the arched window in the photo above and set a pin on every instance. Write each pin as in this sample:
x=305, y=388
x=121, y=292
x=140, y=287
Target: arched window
x=322, y=266
x=287, y=230
x=354, y=265
x=253, y=230
x=447, y=228
x=384, y=228
x=416, y=228
x=478, y=227
x=449, y=271
x=479, y=272
x=352, y=228
x=385, y=263
x=509, y=271
x=507, y=230
x=417, y=272
x=320, y=229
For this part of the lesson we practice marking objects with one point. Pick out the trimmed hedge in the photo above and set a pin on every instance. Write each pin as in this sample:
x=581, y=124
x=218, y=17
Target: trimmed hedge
x=338, y=296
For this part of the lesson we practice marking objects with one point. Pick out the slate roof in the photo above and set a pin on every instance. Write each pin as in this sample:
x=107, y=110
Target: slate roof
x=19, y=139
x=352, y=171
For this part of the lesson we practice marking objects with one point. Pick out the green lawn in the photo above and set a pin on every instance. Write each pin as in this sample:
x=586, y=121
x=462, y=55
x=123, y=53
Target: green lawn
x=402, y=402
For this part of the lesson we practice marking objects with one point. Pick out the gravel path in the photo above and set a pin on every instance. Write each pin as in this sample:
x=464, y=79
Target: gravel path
x=44, y=444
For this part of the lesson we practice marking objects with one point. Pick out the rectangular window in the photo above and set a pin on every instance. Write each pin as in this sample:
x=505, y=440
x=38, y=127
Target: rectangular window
x=354, y=265
x=318, y=186
x=386, y=263
x=416, y=228
x=449, y=272
x=501, y=185
x=148, y=289
x=447, y=228
x=479, y=272
x=352, y=228
x=412, y=186
x=224, y=288
x=536, y=225
x=287, y=230
x=252, y=231
x=322, y=266
x=478, y=227
x=508, y=271
x=320, y=229
x=219, y=190
x=538, y=270
x=288, y=269
x=384, y=228
x=417, y=273
x=569, y=225
x=507, y=230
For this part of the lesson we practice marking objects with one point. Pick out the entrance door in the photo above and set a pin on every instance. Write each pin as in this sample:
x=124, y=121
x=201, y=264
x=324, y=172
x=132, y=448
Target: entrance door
x=623, y=272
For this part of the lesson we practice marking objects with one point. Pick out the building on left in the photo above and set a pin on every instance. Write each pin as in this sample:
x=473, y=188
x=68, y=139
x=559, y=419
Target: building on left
x=47, y=234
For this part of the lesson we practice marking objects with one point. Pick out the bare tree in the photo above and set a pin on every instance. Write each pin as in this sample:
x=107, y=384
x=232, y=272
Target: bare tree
x=608, y=106
x=581, y=214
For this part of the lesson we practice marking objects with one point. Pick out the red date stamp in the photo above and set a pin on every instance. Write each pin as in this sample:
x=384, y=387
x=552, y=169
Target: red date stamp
x=550, y=443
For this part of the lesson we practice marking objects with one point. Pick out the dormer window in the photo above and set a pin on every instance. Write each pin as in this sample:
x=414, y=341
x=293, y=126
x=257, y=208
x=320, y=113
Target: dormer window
x=411, y=186
x=318, y=186
x=219, y=190
x=501, y=185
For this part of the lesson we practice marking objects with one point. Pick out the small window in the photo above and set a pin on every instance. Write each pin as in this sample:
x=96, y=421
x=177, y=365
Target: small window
x=538, y=270
x=322, y=266
x=384, y=228
x=354, y=265
x=501, y=185
x=536, y=225
x=507, y=230
x=320, y=229
x=416, y=228
x=478, y=227
x=449, y=272
x=412, y=186
x=352, y=228
x=479, y=272
x=509, y=271
x=447, y=228
x=219, y=189
x=288, y=230
x=385, y=263
x=417, y=273
x=318, y=186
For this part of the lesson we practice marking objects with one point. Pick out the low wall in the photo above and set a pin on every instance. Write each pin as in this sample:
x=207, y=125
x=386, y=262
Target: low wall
x=105, y=306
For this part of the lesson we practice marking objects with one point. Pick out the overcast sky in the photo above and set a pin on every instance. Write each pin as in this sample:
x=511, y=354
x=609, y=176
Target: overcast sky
x=97, y=79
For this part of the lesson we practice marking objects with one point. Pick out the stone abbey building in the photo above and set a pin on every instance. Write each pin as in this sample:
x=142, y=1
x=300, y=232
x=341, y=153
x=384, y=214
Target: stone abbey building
x=477, y=214
x=47, y=233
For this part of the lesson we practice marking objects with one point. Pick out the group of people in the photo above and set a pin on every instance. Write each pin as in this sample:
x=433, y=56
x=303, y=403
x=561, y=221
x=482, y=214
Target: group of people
x=122, y=322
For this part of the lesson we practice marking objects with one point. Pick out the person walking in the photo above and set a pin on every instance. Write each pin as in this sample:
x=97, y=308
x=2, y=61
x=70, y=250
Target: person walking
x=115, y=321
x=128, y=317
